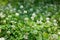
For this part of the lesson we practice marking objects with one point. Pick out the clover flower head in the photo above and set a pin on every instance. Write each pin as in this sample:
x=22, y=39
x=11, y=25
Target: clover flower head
x=21, y=6
x=25, y=11
x=9, y=15
x=26, y=18
x=11, y=10
x=14, y=9
x=39, y=22
x=8, y=32
x=47, y=21
x=32, y=18
x=4, y=21
x=13, y=26
x=35, y=32
x=9, y=5
x=55, y=36
x=59, y=33
x=41, y=18
x=54, y=20
x=2, y=38
x=2, y=15
x=7, y=18
x=55, y=24
x=34, y=14
x=25, y=36
x=31, y=9
x=17, y=14
x=47, y=18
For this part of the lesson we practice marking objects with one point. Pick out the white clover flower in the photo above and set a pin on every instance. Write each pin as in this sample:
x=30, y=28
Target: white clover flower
x=55, y=9
x=41, y=9
x=59, y=33
x=9, y=15
x=9, y=5
x=41, y=18
x=2, y=38
x=54, y=20
x=31, y=9
x=55, y=36
x=6, y=8
x=33, y=14
x=55, y=24
x=37, y=11
x=7, y=18
x=39, y=22
x=8, y=32
x=2, y=15
x=35, y=31
x=25, y=36
x=49, y=29
x=47, y=19
x=51, y=5
x=14, y=9
x=17, y=14
x=32, y=18
x=13, y=21
x=21, y=6
x=13, y=26
x=33, y=26
x=4, y=21
x=46, y=11
x=25, y=11
x=19, y=11
x=49, y=13
x=56, y=12
x=26, y=18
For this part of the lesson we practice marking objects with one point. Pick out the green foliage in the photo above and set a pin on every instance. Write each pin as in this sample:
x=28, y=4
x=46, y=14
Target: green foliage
x=22, y=20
